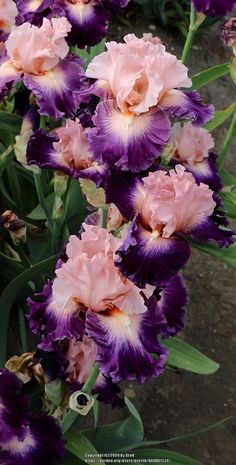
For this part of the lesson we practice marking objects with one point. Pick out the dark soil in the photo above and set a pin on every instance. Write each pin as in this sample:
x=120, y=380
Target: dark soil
x=175, y=404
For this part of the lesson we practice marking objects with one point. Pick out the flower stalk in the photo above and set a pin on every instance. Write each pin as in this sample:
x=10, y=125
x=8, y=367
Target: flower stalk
x=71, y=416
x=227, y=142
x=196, y=19
x=42, y=201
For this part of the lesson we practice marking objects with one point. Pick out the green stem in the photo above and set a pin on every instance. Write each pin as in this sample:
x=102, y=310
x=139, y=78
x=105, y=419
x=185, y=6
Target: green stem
x=60, y=229
x=88, y=386
x=195, y=22
x=6, y=152
x=227, y=142
x=43, y=122
x=71, y=416
x=104, y=217
x=42, y=202
x=22, y=328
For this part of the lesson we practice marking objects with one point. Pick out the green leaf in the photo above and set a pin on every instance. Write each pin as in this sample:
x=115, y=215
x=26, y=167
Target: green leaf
x=38, y=212
x=76, y=207
x=95, y=413
x=23, y=330
x=10, y=125
x=220, y=117
x=227, y=178
x=174, y=458
x=233, y=71
x=10, y=294
x=91, y=52
x=34, y=238
x=229, y=198
x=9, y=268
x=181, y=437
x=208, y=75
x=177, y=438
x=226, y=255
x=79, y=445
x=183, y=355
x=117, y=436
x=9, y=203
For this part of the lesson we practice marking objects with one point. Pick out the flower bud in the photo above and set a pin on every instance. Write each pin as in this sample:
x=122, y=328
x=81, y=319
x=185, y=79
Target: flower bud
x=20, y=146
x=21, y=366
x=16, y=227
x=60, y=183
x=228, y=32
x=95, y=196
x=114, y=218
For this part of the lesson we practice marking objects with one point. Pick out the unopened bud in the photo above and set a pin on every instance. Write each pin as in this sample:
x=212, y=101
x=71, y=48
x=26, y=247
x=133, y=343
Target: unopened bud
x=15, y=226
x=20, y=146
x=228, y=32
x=21, y=366
x=60, y=183
x=114, y=218
x=94, y=195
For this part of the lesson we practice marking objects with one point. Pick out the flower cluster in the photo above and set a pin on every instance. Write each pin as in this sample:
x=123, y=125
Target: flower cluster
x=118, y=322
x=129, y=129
x=24, y=437
x=88, y=18
x=118, y=290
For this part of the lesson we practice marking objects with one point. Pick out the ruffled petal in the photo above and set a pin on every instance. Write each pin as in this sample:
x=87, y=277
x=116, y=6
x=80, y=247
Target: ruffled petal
x=145, y=258
x=43, y=444
x=128, y=347
x=209, y=231
x=89, y=21
x=187, y=105
x=214, y=7
x=173, y=295
x=46, y=321
x=108, y=392
x=206, y=171
x=55, y=90
x=14, y=408
x=124, y=190
x=41, y=152
x=127, y=141
x=33, y=11
x=9, y=76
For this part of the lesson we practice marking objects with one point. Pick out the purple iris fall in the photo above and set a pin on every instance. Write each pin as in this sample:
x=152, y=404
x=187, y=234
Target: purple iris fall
x=25, y=439
x=214, y=7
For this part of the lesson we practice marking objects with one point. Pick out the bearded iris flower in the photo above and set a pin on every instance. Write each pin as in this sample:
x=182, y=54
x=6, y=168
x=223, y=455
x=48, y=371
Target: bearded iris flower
x=8, y=13
x=39, y=56
x=13, y=407
x=165, y=209
x=25, y=439
x=33, y=11
x=42, y=444
x=192, y=147
x=139, y=83
x=88, y=18
x=91, y=298
x=67, y=150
